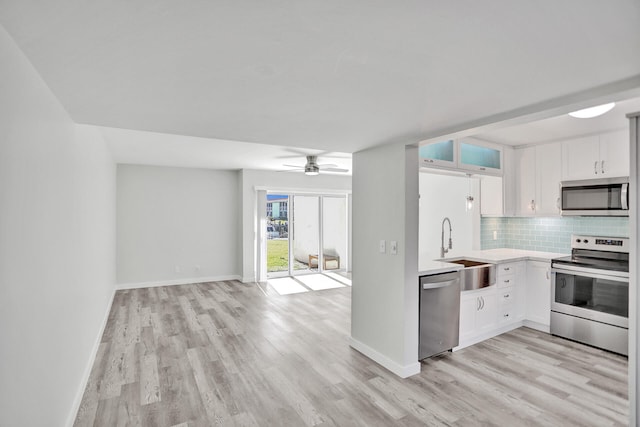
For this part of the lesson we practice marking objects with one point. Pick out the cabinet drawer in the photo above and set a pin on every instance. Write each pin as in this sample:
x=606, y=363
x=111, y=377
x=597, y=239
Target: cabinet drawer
x=506, y=314
x=506, y=297
x=506, y=281
x=506, y=269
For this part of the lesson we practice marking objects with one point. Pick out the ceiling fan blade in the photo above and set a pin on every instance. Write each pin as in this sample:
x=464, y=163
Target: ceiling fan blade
x=327, y=165
x=296, y=154
x=335, y=170
x=291, y=170
x=294, y=166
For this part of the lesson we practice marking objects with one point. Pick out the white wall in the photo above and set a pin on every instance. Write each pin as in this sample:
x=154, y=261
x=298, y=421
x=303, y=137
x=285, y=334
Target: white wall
x=253, y=179
x=176, y=225
x=57, y=248
x=384, y=306
x=444, y=196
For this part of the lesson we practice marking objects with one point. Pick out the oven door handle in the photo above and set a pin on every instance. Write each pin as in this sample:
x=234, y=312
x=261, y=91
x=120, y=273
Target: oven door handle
x=577, y=271
x=624, y=197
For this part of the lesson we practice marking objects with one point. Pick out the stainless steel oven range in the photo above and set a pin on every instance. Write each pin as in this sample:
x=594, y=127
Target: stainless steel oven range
x=590, y=293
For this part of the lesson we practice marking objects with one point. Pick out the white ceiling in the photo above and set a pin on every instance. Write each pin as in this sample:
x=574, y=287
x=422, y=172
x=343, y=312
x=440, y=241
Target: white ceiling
x=334, y=75
x=564, y=126
x=160, y=149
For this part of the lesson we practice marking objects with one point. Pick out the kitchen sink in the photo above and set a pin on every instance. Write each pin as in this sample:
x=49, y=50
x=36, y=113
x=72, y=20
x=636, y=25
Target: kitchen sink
x=475, y=275
x=467, y=262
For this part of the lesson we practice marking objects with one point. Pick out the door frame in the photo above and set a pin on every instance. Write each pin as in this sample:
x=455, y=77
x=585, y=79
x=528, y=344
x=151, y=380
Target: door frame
x=261, y=240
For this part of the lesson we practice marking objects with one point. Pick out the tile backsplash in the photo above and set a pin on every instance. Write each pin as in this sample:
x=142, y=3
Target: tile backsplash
x=546, y=234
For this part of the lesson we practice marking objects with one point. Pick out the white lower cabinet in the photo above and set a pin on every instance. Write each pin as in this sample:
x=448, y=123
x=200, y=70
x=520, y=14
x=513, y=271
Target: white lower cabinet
x=507, y=307
x=538, y=295
x=488, y=312
x=478, y=313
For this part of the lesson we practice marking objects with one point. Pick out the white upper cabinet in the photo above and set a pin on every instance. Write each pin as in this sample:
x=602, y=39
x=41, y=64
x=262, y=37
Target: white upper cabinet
x=599, y=156
x=614, y=154
x=539, y=172
x=525, y=161
x=442, y=153
x=479, y=156
x=548, y=177
x=468, y=154
x=491, y=196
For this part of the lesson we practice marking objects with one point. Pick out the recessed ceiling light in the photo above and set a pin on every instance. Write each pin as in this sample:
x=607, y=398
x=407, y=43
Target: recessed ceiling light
x=596, y=111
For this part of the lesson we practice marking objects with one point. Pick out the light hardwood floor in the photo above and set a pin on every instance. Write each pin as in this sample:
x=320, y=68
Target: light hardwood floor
x=227, y=353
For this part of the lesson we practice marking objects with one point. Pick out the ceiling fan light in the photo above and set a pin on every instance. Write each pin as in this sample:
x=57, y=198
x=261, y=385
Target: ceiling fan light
x=311, y=169
x=588, y=113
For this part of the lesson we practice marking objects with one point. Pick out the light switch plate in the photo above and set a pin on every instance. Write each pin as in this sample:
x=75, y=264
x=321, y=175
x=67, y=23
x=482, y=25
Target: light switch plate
x=383, y=246
x=394, y=247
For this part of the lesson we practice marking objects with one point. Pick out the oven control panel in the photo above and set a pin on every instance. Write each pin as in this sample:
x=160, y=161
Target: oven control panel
x=602, y=243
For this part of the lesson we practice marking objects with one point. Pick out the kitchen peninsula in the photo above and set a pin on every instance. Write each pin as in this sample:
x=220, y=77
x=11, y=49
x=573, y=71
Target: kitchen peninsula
x=520, y=296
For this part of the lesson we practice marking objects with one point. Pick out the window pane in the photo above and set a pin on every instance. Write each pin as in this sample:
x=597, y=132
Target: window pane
x=438, y=151
x=306, y=232
x=479, y=156
x=334, y=232
x=277, y=234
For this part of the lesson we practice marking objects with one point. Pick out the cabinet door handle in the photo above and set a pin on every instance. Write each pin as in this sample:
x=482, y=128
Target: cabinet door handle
x=595, y=167
x=602, y=166
x=507, y=268
x=506, y=295
x=507, y=281
x=558, y=204
x=482, y=298
x=478, y=304
x=533, y=205
x=547, y=273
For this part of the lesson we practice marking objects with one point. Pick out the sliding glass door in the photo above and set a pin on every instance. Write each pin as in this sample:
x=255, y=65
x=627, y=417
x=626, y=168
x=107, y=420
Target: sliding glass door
x=334, y=233
x=277, y=235
x=306, y=234
x=298, y=225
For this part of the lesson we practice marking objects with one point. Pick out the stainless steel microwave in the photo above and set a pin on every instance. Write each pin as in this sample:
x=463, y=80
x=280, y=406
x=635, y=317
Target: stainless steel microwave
x=595, y=197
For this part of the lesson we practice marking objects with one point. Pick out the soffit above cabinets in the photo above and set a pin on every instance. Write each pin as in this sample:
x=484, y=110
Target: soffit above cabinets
x=563, y=127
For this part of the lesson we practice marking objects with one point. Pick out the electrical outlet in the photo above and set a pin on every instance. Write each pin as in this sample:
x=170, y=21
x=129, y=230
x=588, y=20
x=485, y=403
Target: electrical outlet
x=394, y=247
x=383, y=246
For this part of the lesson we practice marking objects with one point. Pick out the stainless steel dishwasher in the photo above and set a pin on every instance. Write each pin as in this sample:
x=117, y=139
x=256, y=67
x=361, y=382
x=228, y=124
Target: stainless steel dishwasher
x=439, y=313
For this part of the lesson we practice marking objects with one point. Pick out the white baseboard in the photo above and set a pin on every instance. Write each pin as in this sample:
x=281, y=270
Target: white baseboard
x=399, y=370
x=87, y=370
x=493, y=333
x=185, y=281
x=251, y=279
x=537, y=326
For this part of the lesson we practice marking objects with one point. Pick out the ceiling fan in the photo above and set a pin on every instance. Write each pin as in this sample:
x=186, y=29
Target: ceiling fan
x=313, y=168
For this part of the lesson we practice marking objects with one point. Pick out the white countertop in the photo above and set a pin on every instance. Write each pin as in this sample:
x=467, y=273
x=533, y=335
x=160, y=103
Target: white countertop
x=495, y=256
x=436, y=267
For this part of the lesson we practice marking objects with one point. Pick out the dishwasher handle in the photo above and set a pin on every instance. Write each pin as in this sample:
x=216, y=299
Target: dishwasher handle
x=437, y=285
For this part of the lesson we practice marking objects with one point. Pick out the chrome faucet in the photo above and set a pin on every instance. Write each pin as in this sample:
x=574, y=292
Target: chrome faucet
x=442, y=248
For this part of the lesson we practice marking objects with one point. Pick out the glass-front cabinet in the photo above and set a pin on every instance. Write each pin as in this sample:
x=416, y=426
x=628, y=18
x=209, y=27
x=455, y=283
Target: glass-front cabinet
x=440, y=153
x=468, y=154
x=479, y=156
